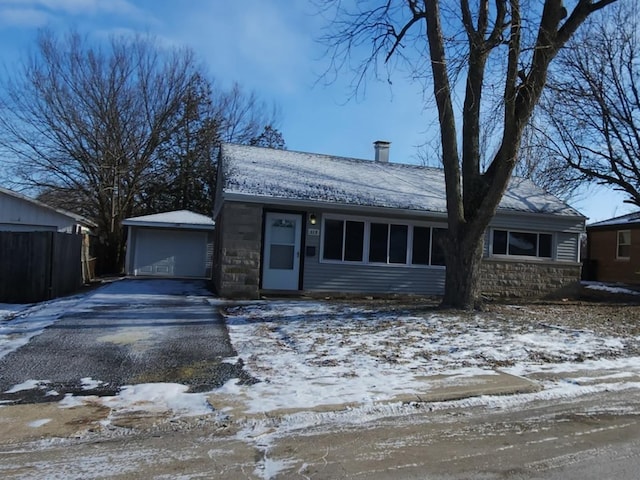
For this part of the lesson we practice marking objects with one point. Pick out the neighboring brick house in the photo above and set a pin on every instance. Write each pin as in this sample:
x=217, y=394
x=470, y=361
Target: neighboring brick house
x=613, y=249
x=292, y=222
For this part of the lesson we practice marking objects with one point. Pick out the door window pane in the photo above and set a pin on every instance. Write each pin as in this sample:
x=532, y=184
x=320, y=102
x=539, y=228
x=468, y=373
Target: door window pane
x=378, y=238
x=398, y=244
x=333, y=239
x=522, y=243
x=281, y=257
x=354, y=241
x=437, y=250
x=283, y=232
x=421, y=245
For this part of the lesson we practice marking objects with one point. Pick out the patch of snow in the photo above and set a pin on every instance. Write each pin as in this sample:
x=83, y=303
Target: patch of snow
x=39, y=423
x=28, y=385
x=308, y=354
x=89, y=383
x=609, y=288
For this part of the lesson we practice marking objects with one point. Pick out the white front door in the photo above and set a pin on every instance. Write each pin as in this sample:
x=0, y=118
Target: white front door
x=281, y=255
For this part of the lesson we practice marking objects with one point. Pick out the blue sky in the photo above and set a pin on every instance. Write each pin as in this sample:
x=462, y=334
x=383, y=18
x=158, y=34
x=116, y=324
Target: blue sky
x=267, y=46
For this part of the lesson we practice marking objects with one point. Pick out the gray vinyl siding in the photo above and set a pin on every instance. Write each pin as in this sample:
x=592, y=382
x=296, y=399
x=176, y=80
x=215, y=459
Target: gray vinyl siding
x=567, y=247
x=332, y=277
x=537, y=223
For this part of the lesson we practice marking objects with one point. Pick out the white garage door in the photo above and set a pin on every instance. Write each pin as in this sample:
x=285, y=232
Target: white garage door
x=170, y=253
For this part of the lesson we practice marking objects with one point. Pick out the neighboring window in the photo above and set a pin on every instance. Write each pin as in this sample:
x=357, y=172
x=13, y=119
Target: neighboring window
x=624, y=244
x=378, y=242
x=343, y=240
x=525, y=244
x=388, y=243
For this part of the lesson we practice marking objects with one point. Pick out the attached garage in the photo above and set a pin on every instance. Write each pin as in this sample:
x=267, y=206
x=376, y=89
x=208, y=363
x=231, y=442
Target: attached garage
x=172, y=244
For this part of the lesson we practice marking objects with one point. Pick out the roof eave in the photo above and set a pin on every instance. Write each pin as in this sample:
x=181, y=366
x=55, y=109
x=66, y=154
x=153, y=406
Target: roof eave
x=174, y=225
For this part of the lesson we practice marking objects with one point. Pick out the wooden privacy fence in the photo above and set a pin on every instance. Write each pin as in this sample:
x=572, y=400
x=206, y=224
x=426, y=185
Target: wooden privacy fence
x=36, y=266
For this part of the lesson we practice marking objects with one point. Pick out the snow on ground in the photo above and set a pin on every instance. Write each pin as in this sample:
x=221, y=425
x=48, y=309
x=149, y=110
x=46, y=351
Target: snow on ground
x=306, y=354
x=609, y=288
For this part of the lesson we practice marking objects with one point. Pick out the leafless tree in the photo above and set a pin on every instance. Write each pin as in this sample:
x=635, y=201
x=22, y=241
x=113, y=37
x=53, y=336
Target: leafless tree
x=117, y=130
x=543, y=165
x=505, y=47
x=593, y=104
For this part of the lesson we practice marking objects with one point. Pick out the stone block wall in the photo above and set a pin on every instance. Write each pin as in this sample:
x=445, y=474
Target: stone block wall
x=509, y=279
x=237, y=259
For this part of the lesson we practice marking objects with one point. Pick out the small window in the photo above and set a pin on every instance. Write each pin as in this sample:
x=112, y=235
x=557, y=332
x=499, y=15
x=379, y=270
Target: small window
x=624, y=244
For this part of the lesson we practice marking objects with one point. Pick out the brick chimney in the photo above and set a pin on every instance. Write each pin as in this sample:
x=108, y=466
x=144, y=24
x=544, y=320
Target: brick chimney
x=382, y=151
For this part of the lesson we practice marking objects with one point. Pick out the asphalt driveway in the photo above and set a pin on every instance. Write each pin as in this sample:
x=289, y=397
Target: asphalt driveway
x=127, y=332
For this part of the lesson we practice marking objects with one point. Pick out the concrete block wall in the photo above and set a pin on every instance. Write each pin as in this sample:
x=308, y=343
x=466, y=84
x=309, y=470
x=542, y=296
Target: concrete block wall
x=510, y=279
x=237, y=263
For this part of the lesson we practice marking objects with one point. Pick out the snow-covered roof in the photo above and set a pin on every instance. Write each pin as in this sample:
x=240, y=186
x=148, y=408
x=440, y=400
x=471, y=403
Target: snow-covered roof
x=176, y=219
x=628, y=219
x=263, y=173
x=79, y=219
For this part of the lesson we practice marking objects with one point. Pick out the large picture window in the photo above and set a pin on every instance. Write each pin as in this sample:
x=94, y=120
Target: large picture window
x=624, y=244
x=524, y=244
x=381, y=242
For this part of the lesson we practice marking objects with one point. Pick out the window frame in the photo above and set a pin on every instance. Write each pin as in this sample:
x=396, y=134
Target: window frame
x=367, y=238
x=618, y=245
x=535, y=257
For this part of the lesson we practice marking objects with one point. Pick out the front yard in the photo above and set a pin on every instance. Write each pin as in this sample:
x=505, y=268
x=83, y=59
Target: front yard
x=310, y=353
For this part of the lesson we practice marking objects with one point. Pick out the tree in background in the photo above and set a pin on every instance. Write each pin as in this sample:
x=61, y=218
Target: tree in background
x=505, y=48
x=593, y=104
x=118, y=130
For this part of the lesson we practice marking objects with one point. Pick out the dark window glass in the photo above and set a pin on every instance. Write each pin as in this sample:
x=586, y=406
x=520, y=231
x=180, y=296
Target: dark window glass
x=500, y=242
x=522, y=243
x=333, y=239
x=421, y=245
x=354, y=241
x=544, y=246
x=437, y=251
x=378, y=237
x=398, y=244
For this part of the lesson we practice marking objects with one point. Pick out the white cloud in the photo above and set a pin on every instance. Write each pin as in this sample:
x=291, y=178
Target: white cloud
x=45, y=8
x=262, y=44
x=23, y=17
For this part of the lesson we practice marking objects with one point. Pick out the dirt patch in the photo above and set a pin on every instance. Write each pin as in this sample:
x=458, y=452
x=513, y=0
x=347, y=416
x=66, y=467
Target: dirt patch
x=20, y=423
